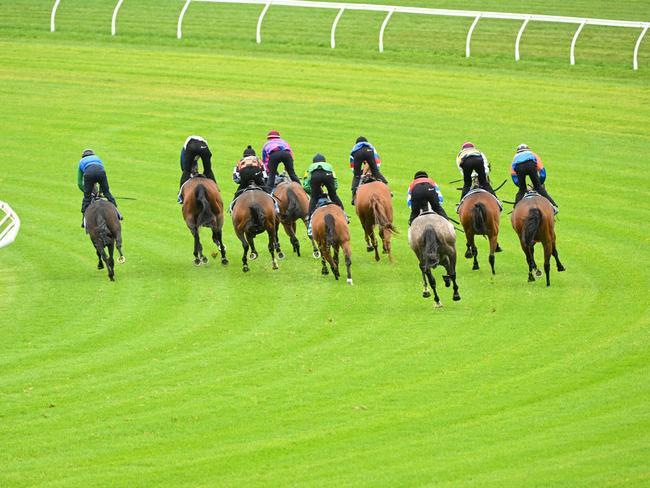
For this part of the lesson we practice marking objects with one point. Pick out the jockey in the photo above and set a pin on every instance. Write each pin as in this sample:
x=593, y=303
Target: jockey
x=364, y=152
x=274, y=152
x=319, y=174
x=424, y=192
x=89, y=172
x=249, y=170
x=195, y=147
x=527, y=163
x=470, y=160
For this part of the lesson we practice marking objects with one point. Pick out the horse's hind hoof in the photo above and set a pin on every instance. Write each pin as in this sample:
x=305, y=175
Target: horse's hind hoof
x=112, y=278
x=531, y=278
x=437, y=305
x=498, y=249
x=475, y=267
x=224, y=261
x=316, y=254
x=324, y=271
x=275, y=266
x=468, y=254
x=538, y=272
x=281, y=255
x=447, y=280
x=426, y=294
x=253, y=256
x=245, y=269
x=121, y=259
x=100, y=266
x=349, y=281
x=456, y=297
x=370, y=248
x=561, y=268
x=204, y=260
x=197, y=262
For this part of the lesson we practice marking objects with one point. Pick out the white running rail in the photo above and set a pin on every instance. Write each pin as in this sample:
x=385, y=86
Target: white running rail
x=392, y=9
x=9, y=225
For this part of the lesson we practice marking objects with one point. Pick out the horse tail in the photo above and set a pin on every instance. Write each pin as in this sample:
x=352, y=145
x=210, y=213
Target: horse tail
x=380, y=215
x=205, y=213
x=330, y=230
x=103, y=232
x=257, y=216
x=293, y=208
x=430, y=249
x=479, y=219
x=531, y=226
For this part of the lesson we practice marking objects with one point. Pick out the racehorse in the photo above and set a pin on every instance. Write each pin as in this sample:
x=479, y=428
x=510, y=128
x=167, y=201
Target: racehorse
x=433, y=241
x=104, y=228
x=479, y=213
x=253, y=213
x=534, y=221
x=294, y=204
x=330, y=230
x=203, y=207
x=374, y=207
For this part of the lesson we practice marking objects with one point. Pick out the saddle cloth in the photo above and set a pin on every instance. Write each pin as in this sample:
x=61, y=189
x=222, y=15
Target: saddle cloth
x=478, y=190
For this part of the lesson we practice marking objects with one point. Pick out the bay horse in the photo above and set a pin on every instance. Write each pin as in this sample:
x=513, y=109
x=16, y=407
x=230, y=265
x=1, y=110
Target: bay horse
x=330, y=230
x=253, y=212
x=433, y=240
x=374, y=206
x=203, y=207
x=479, y=213
x=105, y=231
x=533, y=220
x=294, y=205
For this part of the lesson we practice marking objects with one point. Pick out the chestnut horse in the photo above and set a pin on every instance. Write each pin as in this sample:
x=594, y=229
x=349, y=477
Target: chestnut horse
x=294, y=205
x=479, y=213
x=374, y=207
x=433, y=240
x=534, y=221
x=203, y=207
x=253, y=213
x=330, y=231
x=105, y=230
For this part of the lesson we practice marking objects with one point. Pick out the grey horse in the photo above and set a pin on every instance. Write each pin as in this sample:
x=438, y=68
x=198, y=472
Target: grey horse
x=433, y=241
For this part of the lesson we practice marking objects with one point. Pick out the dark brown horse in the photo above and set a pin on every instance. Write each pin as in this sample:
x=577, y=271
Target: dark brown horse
x=534, y=221
x=203, y=207
x=331, y=232
x=105, y=231
x=252, y=214
x=374, y=207
x=294, y=205
x=479, y=213
x=433, y=240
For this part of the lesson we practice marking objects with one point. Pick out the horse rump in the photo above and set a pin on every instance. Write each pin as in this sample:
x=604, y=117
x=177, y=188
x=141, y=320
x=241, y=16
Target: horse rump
x=379, y=213
x=293, y=211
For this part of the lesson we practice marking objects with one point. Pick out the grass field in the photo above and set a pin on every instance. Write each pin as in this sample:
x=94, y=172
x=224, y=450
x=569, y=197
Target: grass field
x=183, y=376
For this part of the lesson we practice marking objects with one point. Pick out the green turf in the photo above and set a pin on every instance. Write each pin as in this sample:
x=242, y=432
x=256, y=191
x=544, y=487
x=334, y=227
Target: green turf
x=183, y=376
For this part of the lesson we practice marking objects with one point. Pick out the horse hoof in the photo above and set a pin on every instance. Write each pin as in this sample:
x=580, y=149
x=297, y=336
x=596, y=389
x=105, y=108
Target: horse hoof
x=253, y=256
x=316, y=254
x=197, y=262
x=498, y=249
x=100, y=266
x=377, y=257
x=468, y=254
x=561, y=268
x=224, y=261
x=475, y=267
x=111, y=277
x=437, y=305
x=281, y=255
x=426, y=294
x=204, y=260
x=275, y=266
x=456, y=297
x=538, y=272
x=447, y=280
x=121, y=259
x=324, y=272
x=370, y=248
x=531, y=278
x=349, y=281
x=245, y=269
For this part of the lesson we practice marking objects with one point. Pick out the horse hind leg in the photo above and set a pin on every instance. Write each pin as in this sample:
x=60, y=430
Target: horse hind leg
x=348, y=260
x=100, y=263
x=198, y=248
x=432, y=282
x=118, y=245
x=425, y=290
x=246, y=246
x=493, y=248
x=375, y=245
x=273, y=245
x=250, y=239
x=335, y=259
x=560, y=266
x=217, y=238
x=547, y=261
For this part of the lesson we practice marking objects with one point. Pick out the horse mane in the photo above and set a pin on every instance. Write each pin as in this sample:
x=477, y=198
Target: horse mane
x=380, y=214
x=531, y=225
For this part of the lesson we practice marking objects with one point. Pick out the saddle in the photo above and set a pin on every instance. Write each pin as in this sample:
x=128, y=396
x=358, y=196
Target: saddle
x=367, y=178
x=533, y=193
x=253, y=187
x=478, y=190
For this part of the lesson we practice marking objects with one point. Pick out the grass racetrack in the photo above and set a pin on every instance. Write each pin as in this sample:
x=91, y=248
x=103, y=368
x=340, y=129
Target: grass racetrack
x=182, y=376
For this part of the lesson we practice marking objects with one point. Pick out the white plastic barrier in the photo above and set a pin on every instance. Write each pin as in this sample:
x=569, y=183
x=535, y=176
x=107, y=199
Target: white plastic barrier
x=9, y=225
x=391, y=9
